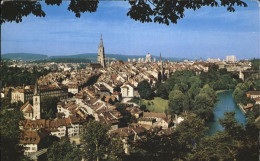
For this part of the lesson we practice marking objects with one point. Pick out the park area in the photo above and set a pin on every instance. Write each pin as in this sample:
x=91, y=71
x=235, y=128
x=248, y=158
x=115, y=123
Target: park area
x=155, y=105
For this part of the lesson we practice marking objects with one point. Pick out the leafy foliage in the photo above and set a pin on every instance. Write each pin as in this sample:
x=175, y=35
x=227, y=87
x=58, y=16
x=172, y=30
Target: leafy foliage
x=251, y=83
x=219, y=79
x=49, y=107
x=177, y=146
x=63, y=150
x=97, y=144
x=10, y=132
x=176, y=99
x=189, y=142
x=145, y=90
x=255, y=64
x=186, y=94
x=167, y=12
x=15, y=10
x=204, y=106
x=20, y=75
x=95, y=140
x=127, y=117
x=234, y=143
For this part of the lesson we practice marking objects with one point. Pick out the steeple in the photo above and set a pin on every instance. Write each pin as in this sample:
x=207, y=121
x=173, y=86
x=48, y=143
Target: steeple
x=36, y=92
x=101, y=53
x=36, y=103
x=162, y=69
x=101, y=41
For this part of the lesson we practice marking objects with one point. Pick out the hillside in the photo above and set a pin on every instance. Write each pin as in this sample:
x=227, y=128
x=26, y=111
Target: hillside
x=24, y=56
x=93, y=57
x=90, y=56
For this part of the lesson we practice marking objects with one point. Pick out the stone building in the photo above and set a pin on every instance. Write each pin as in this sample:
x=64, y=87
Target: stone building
x=25, y=95
x=148, y=58
x=30, y=140
x=33, y=112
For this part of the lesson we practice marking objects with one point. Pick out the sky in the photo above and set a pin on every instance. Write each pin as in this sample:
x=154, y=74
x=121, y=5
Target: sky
x=204, y=33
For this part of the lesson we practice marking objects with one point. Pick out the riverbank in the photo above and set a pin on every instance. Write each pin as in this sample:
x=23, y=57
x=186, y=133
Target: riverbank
x=221, y=91
x=241, y=107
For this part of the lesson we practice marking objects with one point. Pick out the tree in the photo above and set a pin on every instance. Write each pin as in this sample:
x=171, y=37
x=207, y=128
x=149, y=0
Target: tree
x=152, y=147
x=115, y=148
x=10, y=133
x=239, y=93
x=162, y=91
x=235, y=142
x=47, y=141
x=49, y=107
x=210, y=92
x=127, y=117
x=164, y=12
x=193, y=91
x=145, y=90
x=20, y=75
x=187, y=136
x=94, y=139
x=63, y=150
x=203, y=106
x=176, y=99
x=194, y=81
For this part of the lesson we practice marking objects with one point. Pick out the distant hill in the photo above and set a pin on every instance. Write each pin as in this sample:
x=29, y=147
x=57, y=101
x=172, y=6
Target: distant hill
x=24, y=56
x=93, y=57
x=90, y=56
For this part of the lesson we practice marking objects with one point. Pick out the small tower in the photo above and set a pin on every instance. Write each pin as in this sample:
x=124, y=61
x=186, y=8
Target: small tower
x=36, y=103
x=161, y=66
x=101, y=53
x=160, y=59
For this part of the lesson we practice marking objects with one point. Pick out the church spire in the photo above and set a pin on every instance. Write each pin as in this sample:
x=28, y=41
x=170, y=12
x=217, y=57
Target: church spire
x=160, y=57
x=101, y=41
x=101, y=53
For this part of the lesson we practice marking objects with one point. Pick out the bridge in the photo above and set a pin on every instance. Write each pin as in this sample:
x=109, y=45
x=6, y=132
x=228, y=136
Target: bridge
x=35, y=155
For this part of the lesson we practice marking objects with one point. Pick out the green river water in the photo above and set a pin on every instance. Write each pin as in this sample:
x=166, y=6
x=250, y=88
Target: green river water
x=225, y=103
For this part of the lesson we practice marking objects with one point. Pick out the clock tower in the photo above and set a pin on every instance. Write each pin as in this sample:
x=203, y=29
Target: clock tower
x=36, y=103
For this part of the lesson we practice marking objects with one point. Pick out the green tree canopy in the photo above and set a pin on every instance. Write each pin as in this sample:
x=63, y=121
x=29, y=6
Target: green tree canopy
x=63, y=150
x=10, y=133
x=49, y=107
x=145, y=90
x=95, y=139
x=203, y=106
x=235, y=142
x=176, y=99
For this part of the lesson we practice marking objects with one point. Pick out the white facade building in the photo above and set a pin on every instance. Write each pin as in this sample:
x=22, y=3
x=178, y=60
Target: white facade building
x=148, y=58
x=213, y=60
x=127, y=90
x=231, y=58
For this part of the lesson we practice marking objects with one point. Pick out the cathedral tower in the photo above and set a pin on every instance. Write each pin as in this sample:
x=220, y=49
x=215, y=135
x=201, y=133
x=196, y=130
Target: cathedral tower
x=161, y=66
x=36, y=103
x=101, y=53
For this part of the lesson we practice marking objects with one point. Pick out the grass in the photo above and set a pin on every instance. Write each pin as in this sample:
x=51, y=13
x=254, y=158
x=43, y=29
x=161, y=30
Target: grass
x=156, y=105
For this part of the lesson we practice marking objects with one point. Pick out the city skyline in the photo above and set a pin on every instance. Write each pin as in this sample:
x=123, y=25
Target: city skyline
x=207, y=33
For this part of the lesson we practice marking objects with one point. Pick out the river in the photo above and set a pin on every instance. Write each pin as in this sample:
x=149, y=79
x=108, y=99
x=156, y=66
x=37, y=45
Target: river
x=225, y=103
